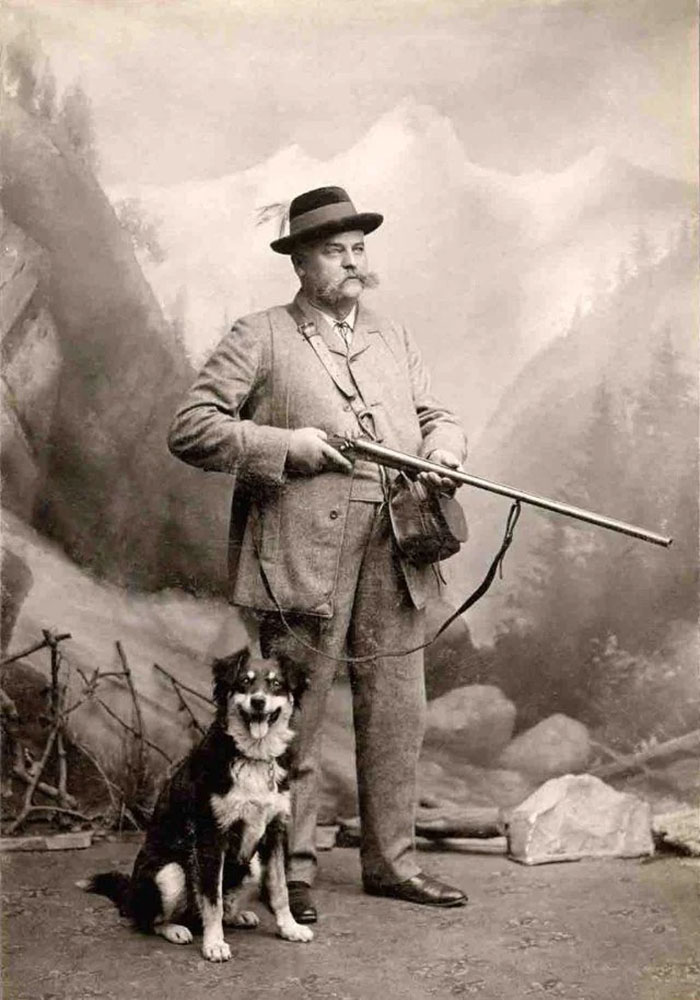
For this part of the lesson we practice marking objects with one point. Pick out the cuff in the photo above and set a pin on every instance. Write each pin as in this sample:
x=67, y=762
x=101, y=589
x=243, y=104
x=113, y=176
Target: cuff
x=266, y=455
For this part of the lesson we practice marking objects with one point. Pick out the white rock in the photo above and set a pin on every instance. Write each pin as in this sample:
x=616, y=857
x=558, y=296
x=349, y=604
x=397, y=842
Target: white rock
x=679, y=830
x=579, y=816
x=475, y=721
x=556, y=745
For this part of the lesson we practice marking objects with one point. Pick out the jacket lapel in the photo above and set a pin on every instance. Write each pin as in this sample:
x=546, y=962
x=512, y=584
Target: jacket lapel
x=322, y=327
x=318, y=334
x=364, y=330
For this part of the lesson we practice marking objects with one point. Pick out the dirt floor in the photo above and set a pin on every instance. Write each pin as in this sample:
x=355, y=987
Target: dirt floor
x=599, y=930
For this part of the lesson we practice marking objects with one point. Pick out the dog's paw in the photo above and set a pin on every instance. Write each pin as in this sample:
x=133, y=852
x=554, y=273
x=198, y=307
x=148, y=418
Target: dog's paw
x=175, y=933
x=246, y=918
x=216, y=951
x=290, y=930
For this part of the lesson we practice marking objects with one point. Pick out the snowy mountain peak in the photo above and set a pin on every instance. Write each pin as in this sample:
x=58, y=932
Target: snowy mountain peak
x=415, y=130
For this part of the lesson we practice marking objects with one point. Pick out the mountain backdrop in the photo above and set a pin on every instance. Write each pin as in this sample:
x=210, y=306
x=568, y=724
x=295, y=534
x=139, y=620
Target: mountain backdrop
x=485, y=267
x=605, y=417
x=557, y=313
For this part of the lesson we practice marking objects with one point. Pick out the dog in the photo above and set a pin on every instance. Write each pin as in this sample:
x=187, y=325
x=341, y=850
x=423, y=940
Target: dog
x=219, y=822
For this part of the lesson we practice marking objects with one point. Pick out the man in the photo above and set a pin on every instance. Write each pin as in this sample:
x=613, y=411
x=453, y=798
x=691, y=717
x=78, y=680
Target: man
x=312, y=558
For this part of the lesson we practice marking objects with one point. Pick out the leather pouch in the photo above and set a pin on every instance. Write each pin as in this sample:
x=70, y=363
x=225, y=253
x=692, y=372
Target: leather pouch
x=428, y=526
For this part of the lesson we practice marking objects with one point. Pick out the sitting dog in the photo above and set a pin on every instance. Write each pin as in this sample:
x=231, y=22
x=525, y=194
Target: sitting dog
x=220, y=818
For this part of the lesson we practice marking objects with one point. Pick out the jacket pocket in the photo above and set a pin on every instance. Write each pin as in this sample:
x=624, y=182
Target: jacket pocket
x=297, y=536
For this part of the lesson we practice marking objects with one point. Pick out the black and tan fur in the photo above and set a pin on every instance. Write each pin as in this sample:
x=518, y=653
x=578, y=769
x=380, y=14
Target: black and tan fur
x=220, y=820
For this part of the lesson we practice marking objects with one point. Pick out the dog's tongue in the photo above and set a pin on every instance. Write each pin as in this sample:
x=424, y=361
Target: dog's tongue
x=258, y=728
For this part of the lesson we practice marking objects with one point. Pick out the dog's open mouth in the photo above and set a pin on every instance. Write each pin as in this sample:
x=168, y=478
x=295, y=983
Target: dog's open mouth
x=259, y=722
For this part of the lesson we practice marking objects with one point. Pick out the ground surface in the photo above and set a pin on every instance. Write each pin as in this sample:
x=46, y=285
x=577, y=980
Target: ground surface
x=605, y=930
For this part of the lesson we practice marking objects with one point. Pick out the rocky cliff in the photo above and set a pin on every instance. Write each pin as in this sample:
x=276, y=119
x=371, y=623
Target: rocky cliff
x=92, y=374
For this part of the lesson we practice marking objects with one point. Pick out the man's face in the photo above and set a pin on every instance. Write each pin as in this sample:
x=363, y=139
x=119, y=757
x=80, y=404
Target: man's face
x=333, y=271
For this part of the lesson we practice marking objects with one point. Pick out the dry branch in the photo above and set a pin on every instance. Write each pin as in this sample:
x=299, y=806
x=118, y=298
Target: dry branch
x=184, y=687
x=31, y=788
x=634, y=762
x=194, y=721
x=130, y=729
x=57, y=737
x=455, y=821
x=57, y=704
x=36, y=647
x=20, y=771
x=62, y=810
x=448, y=821
x=109, y=784
x=177, y=685
x=90, y=684
x=62, y=768
x=618, y=758
x=140, y=756
x=117, y=802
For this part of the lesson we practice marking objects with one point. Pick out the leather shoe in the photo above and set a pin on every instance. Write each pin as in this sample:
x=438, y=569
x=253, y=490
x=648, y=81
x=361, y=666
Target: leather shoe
x=301, y=904
x=422, y=889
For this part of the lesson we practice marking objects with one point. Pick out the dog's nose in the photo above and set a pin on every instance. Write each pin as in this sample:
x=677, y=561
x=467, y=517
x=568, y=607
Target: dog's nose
x=257, y=702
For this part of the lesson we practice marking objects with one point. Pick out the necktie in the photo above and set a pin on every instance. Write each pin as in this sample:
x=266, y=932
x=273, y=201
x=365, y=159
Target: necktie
x=345, y=331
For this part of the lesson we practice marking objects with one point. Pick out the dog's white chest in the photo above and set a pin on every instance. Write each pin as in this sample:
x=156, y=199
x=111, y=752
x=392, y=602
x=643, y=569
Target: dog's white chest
x=253, y=799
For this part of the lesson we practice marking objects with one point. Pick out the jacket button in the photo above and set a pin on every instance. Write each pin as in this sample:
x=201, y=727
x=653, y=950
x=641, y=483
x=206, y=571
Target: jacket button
x=334, y=514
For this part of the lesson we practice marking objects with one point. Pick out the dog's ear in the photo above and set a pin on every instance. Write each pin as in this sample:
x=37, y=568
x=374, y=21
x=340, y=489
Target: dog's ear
x=297, y=678
x=226, y=670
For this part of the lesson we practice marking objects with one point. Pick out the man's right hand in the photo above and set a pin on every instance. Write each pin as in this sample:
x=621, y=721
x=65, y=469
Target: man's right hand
x=310, y=453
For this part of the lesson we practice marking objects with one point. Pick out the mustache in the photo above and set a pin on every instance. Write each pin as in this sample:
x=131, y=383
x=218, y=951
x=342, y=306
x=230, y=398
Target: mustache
x=370, y=279
x=332, y=291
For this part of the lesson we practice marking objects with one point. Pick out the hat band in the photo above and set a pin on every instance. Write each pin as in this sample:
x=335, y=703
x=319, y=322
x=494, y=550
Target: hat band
x=319, y=216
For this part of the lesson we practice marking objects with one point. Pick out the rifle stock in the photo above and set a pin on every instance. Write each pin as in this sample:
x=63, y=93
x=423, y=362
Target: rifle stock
x=371, y=451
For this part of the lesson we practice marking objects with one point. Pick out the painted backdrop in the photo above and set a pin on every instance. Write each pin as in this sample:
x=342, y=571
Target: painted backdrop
x=536, y=165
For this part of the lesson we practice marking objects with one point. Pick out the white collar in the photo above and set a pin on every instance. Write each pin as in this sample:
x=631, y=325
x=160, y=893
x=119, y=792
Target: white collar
x=331, y=320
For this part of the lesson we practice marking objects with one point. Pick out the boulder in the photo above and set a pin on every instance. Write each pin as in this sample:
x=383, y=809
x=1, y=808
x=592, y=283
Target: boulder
x=475, y=722
x=437, y=786
x=679, y=831
x=452, y=660
x=557, y=745
x=16, y=580
x=579, y=816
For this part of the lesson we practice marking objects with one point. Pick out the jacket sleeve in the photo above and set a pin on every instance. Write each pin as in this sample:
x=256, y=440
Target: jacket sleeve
x=439, y=426
x=210, y=429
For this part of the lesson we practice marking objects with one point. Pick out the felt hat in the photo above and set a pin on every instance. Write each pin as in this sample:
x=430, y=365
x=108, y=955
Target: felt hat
x=322, y=211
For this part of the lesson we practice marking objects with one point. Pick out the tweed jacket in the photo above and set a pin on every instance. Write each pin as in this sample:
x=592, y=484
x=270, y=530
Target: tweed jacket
x=263, y=380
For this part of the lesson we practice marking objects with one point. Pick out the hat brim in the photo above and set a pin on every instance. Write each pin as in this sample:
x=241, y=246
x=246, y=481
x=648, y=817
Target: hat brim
x=366, y=221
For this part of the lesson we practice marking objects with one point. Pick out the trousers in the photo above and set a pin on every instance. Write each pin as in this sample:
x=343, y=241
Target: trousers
x=373, y=614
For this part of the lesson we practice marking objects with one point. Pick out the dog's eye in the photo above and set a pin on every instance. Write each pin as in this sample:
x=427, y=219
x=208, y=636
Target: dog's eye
x=275, y=683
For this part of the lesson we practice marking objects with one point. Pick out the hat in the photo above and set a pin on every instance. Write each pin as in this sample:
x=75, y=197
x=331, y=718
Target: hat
x=321, y=211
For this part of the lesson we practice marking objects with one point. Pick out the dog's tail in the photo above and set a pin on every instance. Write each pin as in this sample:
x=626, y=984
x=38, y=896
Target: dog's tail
x=114, y=885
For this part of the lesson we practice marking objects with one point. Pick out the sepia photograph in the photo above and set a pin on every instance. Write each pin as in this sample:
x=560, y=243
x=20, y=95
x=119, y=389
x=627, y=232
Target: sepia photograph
x=350, y=490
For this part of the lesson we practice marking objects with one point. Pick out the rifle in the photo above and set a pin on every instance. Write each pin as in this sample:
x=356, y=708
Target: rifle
x=352, y=447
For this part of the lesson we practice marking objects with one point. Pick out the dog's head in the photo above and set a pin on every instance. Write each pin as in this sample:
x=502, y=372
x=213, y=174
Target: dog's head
x=255, y=698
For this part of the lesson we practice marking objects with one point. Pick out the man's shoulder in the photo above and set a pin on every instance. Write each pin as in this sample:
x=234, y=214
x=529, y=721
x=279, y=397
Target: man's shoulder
x=263, y=317
x=379, y=321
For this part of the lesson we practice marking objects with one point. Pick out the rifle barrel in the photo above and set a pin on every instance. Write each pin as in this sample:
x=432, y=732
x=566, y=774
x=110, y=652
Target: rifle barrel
x=377, y=453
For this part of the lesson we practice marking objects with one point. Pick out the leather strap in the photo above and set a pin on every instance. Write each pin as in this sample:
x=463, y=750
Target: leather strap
x=309, y=331
x=342, y=379
x=476, y=595
x=495, y=567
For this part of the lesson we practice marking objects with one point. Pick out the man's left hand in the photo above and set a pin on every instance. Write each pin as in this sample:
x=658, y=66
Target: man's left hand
x=435, y=481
